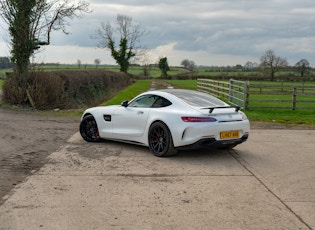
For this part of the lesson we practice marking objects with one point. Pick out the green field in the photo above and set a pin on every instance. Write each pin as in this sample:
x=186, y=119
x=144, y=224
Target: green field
x=155, y=71
x=3, y=73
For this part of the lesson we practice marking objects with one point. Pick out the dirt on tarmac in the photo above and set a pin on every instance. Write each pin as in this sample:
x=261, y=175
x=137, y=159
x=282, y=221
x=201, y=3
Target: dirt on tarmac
x=26, y=139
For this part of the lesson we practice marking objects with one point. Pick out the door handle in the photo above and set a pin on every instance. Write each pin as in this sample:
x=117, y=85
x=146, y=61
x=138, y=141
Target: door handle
x=140, y=112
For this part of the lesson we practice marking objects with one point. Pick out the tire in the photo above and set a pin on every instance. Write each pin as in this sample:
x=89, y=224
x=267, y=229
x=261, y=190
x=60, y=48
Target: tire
x=160, y=140
x=89, y=130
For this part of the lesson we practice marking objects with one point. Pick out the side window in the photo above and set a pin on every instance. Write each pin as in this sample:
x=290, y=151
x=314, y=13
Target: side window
x=161, y=102
x=144, y=101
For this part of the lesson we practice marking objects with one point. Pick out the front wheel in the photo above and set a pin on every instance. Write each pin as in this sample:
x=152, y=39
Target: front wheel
x=160, y=140
x=89, y=130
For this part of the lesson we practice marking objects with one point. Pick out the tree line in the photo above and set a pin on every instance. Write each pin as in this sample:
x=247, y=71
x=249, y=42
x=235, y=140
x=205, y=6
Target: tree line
x=270, y=63
x=5, y=63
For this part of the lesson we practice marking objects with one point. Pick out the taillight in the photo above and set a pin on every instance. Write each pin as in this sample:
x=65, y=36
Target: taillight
x=244, y=117
x=199, y=119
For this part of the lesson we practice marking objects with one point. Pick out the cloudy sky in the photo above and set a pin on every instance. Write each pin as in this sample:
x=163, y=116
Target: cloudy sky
x=208, y=32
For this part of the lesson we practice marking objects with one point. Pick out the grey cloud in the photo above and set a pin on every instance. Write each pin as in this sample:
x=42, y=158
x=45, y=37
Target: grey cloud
x=240, y=27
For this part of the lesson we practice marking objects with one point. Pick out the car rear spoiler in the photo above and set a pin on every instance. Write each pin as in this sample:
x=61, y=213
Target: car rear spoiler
x=237, y=108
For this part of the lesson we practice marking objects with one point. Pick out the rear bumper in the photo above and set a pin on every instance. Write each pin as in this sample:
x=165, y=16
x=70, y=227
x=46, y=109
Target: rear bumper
x=213, y=143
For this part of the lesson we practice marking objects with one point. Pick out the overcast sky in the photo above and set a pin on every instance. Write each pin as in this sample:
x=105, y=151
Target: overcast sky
x=208, y=32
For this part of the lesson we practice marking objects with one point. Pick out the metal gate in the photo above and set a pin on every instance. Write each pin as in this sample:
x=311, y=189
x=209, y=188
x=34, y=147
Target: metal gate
x=235, y=92
x=238, y=93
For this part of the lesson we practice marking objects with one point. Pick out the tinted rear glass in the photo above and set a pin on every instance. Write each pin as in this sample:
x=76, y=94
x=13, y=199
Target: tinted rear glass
x=196, y=98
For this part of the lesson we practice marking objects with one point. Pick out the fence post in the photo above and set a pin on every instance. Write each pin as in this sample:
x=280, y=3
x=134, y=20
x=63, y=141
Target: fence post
x=294, y=98
x=246, y=95
x=282, y=85
x=230, y=90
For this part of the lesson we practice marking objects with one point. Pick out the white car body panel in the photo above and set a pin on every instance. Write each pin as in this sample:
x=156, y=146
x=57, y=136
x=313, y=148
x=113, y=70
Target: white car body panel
x=131, y=124
x=129, y=121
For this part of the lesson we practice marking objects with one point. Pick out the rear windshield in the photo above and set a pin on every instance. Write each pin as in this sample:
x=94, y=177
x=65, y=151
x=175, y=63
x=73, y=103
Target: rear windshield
x=195, y=98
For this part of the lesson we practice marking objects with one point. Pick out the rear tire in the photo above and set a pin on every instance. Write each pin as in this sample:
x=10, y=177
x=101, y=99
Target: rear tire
x=160, y=140
x=89, y=129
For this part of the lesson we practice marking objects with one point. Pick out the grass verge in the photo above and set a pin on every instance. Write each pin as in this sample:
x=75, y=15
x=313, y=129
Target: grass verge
x=302, y=117
x=130, y=92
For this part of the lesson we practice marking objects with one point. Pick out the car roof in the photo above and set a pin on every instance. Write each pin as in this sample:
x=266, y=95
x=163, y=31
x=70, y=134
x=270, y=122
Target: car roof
x=193, y=97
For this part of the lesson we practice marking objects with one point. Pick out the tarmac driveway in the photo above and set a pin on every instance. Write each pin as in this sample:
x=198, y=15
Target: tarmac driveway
x=266, y=183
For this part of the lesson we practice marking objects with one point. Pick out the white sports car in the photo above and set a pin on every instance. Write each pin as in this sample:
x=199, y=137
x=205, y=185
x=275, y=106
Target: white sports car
x=168, y=120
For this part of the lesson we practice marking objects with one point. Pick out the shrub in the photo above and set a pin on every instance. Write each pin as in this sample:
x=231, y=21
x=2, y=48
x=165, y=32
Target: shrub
x=13, y=92
x=65, y=89
x=46, y=91
x=91, y=87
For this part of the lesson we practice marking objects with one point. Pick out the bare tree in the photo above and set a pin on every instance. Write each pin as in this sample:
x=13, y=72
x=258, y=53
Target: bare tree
x=272, y=64
x=79, y=63
x=144, y=59
x=188, y=64
x=31, y=23
x=250, y=66
x=303, y=66
x=127, y=33
x=97, y=62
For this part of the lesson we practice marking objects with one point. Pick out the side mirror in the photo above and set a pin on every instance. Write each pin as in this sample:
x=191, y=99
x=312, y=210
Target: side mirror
x=124, y=103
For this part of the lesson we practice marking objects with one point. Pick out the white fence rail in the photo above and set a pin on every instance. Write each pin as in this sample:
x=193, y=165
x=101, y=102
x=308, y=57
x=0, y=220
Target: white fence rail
x=236, y=92
x=262, y=96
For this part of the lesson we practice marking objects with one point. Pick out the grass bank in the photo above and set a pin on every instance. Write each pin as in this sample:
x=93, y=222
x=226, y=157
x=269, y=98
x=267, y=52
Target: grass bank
x=130, y=92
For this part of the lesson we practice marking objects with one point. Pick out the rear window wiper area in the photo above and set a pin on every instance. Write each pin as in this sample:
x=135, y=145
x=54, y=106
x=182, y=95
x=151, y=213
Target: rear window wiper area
x=237, y=108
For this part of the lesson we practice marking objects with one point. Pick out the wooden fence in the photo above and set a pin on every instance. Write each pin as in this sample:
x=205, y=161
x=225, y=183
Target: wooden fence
x=284, y=95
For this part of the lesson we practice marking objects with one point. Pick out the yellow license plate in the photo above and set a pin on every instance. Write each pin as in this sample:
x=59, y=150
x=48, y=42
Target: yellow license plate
x=230, y=134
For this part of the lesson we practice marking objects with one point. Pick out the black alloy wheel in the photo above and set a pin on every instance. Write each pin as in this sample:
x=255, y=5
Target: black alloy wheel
x=160, y=140
x=89, y=130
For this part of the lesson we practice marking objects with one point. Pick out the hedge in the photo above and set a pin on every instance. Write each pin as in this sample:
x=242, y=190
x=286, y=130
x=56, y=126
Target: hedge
x=66, y=89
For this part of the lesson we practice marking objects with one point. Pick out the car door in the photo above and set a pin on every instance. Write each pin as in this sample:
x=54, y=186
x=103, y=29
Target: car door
x=131, y=121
